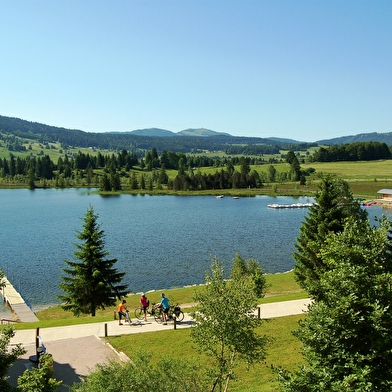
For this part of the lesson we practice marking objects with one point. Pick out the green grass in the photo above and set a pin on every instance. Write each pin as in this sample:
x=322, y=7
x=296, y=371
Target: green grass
x=355, y=171
x=54, y=150
x=283, y=350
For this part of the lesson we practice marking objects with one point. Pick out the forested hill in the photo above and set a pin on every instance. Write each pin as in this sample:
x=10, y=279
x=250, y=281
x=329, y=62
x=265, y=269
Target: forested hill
x=362, y=137
x=190, y=140
x=134, y=142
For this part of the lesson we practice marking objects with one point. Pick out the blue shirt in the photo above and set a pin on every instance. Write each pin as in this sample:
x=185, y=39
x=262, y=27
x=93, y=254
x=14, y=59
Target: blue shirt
x=165, y=302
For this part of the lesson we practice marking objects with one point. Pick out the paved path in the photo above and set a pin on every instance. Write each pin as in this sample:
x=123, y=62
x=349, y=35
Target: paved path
x=78, y=349
x=286, y=308
x=26, y=337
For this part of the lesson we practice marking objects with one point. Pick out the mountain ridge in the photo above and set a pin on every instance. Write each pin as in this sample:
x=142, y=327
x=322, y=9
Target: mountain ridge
x=24, y=128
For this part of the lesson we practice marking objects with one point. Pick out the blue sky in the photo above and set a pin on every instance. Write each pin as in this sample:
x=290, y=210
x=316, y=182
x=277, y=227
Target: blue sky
x=305, y=70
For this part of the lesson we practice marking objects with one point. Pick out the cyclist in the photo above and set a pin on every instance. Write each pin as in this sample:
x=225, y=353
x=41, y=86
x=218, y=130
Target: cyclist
x=165, y=307
x=121, y=309
x=145, y=303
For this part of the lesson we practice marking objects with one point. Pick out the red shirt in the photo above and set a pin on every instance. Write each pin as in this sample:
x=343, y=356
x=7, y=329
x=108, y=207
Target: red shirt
x=144, y=301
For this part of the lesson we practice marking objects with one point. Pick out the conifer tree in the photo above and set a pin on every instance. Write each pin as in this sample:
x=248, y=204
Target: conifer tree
x=334, y=205
x=91, y=282
x=105, y=184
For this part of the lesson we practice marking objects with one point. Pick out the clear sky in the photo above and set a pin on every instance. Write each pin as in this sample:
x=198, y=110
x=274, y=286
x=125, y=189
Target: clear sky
x=299, y=69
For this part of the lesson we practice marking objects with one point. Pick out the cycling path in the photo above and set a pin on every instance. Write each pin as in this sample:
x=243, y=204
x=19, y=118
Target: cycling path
x=112, y=328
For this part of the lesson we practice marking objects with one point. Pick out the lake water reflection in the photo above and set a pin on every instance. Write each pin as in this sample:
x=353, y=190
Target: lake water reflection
x=160, y=241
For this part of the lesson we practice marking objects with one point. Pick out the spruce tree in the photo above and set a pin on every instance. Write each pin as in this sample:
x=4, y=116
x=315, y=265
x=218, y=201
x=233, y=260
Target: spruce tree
x=334, y=205
x=91, y=282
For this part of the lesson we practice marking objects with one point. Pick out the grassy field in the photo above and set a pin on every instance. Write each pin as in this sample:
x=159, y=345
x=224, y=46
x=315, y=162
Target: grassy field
x=54, y=150
x=283, y=348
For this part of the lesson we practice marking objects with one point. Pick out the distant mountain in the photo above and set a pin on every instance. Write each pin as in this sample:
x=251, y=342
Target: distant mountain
x=156, y=132
x=201, y=132
x=283, y=140
x=142, y=140
x=362, y=137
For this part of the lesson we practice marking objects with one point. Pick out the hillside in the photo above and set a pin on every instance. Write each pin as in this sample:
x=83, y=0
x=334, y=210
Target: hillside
x=157, y=132
x=362, y=137
x=201, y=132
x=190, y=140
x=197, y=140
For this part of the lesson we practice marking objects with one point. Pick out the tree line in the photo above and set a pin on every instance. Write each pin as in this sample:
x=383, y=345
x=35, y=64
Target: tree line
x=359, y=151
x=112, y=171
x=228, y=177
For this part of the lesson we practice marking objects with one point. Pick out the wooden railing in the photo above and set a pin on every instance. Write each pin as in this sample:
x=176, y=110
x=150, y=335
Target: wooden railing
x=8, y=321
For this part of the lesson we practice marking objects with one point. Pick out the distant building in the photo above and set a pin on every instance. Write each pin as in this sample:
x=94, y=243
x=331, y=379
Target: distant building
x=386, y=194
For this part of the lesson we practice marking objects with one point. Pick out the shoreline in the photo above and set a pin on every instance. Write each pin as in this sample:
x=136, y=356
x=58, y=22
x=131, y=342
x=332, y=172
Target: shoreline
x=40, y=307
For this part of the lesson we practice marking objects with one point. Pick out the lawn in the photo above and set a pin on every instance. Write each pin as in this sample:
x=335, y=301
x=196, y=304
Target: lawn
x=283, y=351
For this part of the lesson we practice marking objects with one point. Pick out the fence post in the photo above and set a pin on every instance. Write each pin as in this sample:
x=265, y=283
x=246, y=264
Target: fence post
x=106, y=330
x=175, y=322
x=36, y=340
x=258, y=312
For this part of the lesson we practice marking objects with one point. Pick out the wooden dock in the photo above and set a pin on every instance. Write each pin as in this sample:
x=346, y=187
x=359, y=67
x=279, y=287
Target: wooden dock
x=17, y=304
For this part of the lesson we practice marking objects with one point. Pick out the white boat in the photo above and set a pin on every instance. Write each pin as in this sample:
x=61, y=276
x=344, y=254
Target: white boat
x=295, y=205
x=219, y=197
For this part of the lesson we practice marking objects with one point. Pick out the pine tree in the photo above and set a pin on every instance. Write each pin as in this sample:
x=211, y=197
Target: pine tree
x=91, y=282
x=334, y=205
x=105, y=184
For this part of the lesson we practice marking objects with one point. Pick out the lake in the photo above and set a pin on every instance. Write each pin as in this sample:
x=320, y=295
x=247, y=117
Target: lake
x=159, y=241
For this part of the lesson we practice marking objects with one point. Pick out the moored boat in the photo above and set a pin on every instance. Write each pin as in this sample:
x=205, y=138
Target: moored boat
x=295, y=205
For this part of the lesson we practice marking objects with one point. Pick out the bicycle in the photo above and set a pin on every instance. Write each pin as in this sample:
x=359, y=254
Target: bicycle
x=175, y=312
x=139, y=313
x=127, y=318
